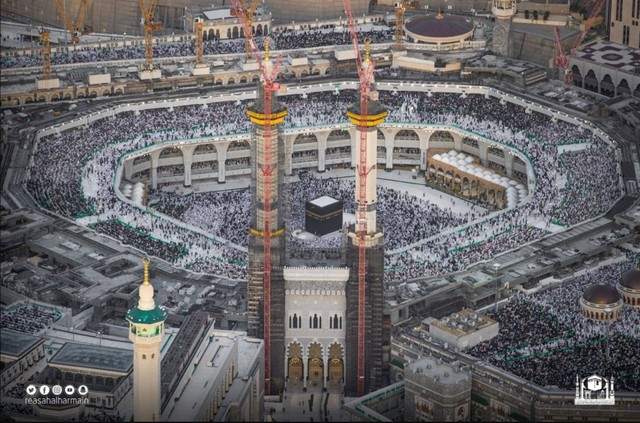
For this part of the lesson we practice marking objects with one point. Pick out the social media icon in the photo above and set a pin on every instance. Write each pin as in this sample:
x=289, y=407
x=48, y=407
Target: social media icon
x=57, y=390
x=31, y=390
x=69, y=390
x=44, y=390
x=83, y=390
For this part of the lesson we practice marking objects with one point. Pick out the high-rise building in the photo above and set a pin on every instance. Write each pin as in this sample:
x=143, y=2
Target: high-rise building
x=624, y=22
x=375, y=368
x=146, y=330
x=273, y=168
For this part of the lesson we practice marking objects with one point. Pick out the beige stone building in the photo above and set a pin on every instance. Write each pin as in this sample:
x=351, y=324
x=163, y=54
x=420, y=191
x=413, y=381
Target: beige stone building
x=624, y=22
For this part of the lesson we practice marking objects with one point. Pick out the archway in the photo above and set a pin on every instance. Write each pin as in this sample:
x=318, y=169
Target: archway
x=295, y=364
x=606, y=86
x=590, y=81
x=623, y=88
x=316, y=365
x=441, y=136
x=336, y=363
x=235, y=32
x=407, y=135
x=577, y=76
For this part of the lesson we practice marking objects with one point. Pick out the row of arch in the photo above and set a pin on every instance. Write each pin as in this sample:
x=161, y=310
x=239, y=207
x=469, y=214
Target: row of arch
x=313, y=365
x=68, y=95
x=465, y=187
x=604, y=86
x=234, y=32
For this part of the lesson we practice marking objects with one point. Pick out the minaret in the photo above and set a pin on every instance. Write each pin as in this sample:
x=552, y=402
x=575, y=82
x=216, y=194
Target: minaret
x=503, y=10
x=375, y=367
x=146, y=330
x=267, y=125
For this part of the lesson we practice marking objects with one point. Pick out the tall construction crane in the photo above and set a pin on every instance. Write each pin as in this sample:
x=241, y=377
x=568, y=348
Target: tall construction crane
x=150, y=24
x=45, y=49
x=562, y=59
x=269, y=74
x=400, y=6
x=75, y=26
x=365, y=74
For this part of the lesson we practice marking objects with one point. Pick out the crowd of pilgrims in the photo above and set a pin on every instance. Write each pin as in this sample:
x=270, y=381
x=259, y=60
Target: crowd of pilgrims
x=544, y=337
x=280, y=40
x=28, y=318
x=86, y=192
x=226, y=214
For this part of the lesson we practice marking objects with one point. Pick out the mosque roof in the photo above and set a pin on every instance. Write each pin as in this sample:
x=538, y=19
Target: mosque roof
x=601, y=293
x=16, y=343
x=439, y=26
x=631, y=279
x=93, y=357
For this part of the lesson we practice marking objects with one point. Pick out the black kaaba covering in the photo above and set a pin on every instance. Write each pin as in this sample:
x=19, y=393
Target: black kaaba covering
x=323, y=215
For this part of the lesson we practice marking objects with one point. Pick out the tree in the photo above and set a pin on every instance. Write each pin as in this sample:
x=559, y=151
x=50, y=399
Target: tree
x=546, y=15
x=526, y=14
x=535, y=15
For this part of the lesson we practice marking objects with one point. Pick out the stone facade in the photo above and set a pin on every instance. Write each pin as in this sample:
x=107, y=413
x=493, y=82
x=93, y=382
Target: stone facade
x=502, y=37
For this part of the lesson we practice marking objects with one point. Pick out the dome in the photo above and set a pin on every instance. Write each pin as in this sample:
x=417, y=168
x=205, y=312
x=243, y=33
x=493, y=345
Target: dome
x=631, y=280
x=439, y=28
x=601, y=293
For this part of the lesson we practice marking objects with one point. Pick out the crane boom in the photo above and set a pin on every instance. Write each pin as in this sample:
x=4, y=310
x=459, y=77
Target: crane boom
x=563, y=57
x=74, y=26
x=400, y=7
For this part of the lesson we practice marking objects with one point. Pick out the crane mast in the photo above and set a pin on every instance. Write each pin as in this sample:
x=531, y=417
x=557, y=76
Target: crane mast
x=400, y=7
x=45, y=49
x=75, y=27
x=268, y=167
x=199, y=43
x=148, y=12
x=365, y=74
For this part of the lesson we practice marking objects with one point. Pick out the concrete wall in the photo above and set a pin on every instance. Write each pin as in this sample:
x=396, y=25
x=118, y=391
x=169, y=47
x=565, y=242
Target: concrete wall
x=285, y=11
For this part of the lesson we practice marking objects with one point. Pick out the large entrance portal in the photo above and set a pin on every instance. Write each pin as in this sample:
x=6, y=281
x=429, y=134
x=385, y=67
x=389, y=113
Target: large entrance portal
x=295, y=364
x=335, y=367
x=316, y=366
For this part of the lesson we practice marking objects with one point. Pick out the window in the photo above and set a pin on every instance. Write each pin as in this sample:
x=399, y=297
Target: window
x=295, y=321
x=315, y=322
x=335, y=322
x=144, y=356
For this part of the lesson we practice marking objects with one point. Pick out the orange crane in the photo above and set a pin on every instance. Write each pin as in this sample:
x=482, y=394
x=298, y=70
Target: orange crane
x=150, y=25
x=75, y=27
x=268, y=167
x=199, y=43
x=365, y=74
x=400, y=8
x=562, y=59
x=45, y=41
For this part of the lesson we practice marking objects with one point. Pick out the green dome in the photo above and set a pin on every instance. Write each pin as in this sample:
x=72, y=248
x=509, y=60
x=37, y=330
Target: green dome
x=146, y=317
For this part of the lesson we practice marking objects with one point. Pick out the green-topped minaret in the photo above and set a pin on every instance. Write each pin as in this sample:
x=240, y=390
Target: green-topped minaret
x=146, y=330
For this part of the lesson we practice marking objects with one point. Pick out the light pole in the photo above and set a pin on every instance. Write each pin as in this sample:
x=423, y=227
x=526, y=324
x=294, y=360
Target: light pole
x=100, y=336
x=73, y=334
x=496, y=267
x=608, y=314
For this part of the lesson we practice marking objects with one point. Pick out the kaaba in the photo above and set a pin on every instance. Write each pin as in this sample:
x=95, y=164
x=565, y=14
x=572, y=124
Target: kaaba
x=323, y=215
